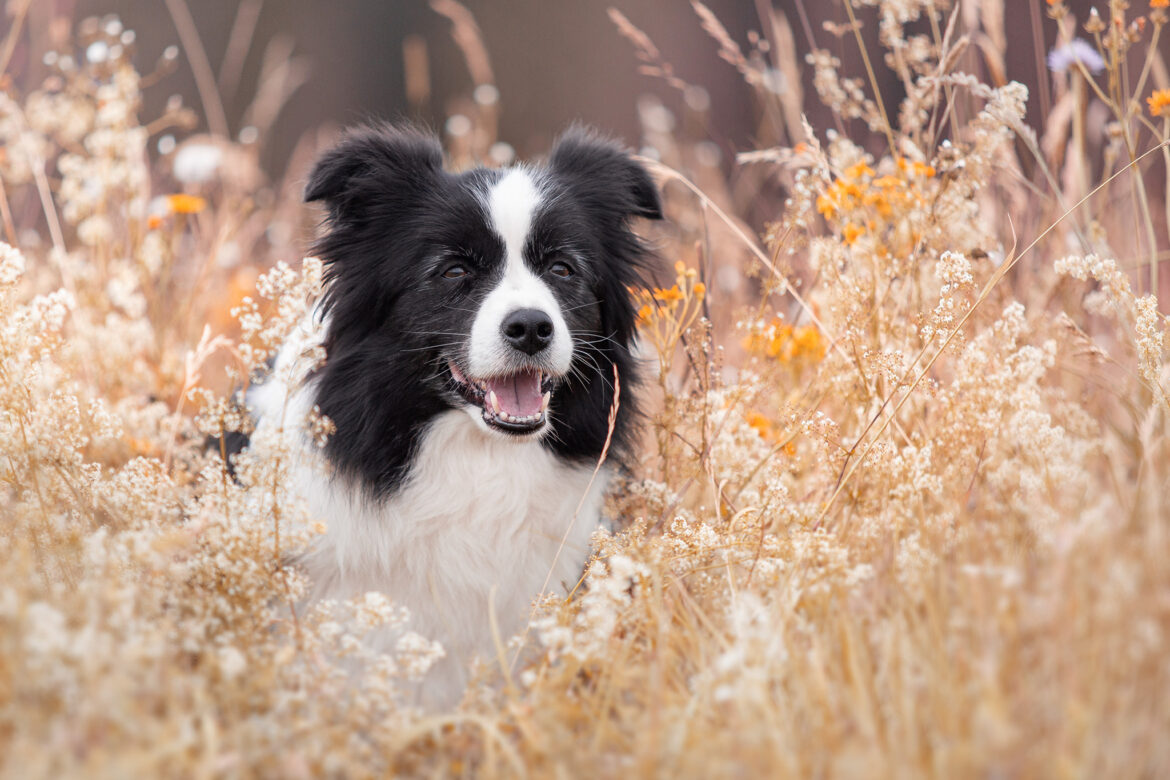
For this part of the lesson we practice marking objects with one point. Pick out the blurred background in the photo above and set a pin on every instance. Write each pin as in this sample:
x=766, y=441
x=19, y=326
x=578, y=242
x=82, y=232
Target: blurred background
x=239, y=96
x=553, y=63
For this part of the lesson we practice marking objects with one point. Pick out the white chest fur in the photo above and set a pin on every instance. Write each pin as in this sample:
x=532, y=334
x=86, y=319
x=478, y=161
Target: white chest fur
x=478, y=528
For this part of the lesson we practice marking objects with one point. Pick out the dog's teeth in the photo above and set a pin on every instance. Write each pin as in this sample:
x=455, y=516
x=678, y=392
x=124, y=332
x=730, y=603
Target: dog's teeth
x=495, y=401
x=544, y=402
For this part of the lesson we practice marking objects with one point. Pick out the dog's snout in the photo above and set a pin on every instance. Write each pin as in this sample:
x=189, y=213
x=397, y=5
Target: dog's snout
x=528, y=330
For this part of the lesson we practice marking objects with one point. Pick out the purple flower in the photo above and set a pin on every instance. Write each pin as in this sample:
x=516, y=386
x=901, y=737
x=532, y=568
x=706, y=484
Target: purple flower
x=1077, y=50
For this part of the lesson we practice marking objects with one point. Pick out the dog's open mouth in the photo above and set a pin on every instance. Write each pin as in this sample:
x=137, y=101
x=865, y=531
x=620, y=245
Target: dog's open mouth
x=514, y=403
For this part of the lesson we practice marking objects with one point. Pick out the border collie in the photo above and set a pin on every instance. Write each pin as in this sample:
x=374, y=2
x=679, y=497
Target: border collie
x=472, y=325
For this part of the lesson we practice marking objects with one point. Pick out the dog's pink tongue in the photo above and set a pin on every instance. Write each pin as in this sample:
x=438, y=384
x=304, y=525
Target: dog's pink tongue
x=519, y=394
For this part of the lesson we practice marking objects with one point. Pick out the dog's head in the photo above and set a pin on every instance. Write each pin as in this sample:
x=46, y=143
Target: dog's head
x=500, y=292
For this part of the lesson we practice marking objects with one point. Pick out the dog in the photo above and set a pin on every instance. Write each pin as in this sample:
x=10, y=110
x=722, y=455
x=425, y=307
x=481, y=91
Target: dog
x=476, y=327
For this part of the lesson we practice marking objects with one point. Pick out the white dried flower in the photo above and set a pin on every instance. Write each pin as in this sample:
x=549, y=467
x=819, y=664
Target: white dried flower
x=197, y=163
x=11, y=264
x=232, y=663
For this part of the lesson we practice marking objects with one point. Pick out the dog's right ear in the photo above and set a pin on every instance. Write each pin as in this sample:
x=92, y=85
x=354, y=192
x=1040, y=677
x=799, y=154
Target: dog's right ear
x=386, y=161
x=604, y=176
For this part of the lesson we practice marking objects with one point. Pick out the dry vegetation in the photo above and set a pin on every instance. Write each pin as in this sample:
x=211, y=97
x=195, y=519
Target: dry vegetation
x=902, y=509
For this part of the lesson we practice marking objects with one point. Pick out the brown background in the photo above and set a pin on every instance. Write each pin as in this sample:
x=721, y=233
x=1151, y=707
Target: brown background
x=555, y=61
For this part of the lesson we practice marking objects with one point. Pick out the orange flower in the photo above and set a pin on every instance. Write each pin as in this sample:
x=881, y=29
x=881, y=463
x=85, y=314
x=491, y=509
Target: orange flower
x=761, y=423
x=181, y=203
x=857, y=170
x=700, y=289
x=1159, y=102
x=807, y=341
x=784, y=343
x=668, y=296
x=826, y=206
x=1159, y=3
x=140, y=446
x=879, y=201
x=850, y=190
x=777, y=346
x=922, y=169
x=852, y=233
x=154, y=222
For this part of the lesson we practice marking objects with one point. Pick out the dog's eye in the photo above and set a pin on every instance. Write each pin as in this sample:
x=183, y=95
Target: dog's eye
x=455, y=271
x=562, y=270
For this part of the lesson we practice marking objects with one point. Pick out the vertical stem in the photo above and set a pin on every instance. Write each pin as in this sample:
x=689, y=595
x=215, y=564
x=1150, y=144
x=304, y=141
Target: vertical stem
x=217, y=122
x=1166, y=165
x=46, y=195
x=6, y=216
x=877, y=95
x=1041, y=70
x=1081, y=185
x=18, y=14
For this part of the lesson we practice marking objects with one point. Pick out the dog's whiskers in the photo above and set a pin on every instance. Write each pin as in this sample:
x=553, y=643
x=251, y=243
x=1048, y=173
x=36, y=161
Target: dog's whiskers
x=592, y=364
x=432, y=346
x=598, y=302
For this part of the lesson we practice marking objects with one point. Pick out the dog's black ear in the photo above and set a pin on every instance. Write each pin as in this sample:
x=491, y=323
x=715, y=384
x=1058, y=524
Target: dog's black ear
x=384, y=156
x=602, y=172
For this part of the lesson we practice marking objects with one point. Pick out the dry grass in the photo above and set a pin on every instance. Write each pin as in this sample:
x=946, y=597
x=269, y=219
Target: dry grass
x=901, y=510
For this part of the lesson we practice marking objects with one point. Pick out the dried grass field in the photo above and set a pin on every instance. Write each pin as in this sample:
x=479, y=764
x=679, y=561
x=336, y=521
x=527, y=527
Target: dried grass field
x=902, y=505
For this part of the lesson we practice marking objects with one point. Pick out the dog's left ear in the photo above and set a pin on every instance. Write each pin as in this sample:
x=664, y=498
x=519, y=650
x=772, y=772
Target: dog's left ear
x=604, y=175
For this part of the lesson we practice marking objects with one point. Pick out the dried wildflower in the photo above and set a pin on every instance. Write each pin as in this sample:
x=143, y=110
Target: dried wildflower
x=1095, y=24
x=417, y=654
x=11, y=264
x=319, y=427
x=196, y=163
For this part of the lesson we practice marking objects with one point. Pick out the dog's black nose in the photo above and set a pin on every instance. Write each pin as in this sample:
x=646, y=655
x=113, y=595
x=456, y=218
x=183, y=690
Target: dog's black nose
x=528, y=330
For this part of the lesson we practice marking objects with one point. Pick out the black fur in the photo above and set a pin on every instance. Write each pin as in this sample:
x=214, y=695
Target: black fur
x=396, y=219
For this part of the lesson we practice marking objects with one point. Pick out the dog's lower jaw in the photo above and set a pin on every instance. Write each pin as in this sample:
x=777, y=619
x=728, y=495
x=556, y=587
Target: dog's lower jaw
x=482, y=523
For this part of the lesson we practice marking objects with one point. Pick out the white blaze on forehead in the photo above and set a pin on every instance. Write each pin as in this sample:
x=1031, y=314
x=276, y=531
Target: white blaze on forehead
x=511, y=204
